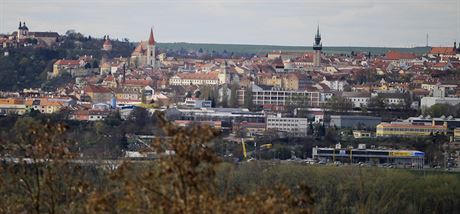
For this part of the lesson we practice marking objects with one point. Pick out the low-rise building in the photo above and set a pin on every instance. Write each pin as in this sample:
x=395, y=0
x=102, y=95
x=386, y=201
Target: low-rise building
x=362, y=134
x=291, y=125
x=211, y=78
x=448, y=121
x=427, y=102
x=12, y=106
x=274, y=96
x=47, y=105
x=89, y=115
x=404, y=129
x=457, y=134
x=354, y=121
x=358, y=99
x=409, y=158
x=98, y=94
x=197, y=103
x=66, y=65
x=249, y=129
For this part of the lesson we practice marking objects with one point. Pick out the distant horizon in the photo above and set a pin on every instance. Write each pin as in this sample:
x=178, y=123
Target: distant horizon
x=324, y=46
x=257, y=44
x=379, y=23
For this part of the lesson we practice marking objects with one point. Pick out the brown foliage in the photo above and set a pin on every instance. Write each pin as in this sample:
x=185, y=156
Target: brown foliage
x=39, y=177
x=184, y=182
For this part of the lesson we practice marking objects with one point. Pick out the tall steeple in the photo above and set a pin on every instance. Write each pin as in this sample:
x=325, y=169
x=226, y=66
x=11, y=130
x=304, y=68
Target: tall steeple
x=317, y=45
x=151, y=56
x=151, y=38
x=317, y=32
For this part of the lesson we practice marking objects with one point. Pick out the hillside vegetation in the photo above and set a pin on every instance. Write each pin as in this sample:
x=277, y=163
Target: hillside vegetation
x=195, y=180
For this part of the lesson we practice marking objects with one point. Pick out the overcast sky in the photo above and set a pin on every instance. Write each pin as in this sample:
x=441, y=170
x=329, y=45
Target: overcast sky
x=383, y=23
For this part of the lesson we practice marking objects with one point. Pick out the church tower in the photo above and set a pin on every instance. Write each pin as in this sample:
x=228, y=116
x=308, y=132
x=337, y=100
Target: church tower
x=317, y=47
x=23, y=31
x=107, y=46
x=223, y=74
x=151, y=59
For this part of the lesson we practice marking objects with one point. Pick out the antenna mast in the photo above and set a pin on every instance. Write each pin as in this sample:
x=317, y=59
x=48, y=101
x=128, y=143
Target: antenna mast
x=427, y=36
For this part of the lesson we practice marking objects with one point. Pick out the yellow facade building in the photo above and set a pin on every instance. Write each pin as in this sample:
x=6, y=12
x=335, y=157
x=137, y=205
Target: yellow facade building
x=409, y=129
x=457, y=134
x=12, y=106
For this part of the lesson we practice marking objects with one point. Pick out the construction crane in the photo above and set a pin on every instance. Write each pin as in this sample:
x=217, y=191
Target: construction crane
x=243, y=144
x=266, y=146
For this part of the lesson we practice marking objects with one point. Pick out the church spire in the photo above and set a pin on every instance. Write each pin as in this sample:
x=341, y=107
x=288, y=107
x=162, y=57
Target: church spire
x=151, y=38
x=317, y=32
x=317, y=44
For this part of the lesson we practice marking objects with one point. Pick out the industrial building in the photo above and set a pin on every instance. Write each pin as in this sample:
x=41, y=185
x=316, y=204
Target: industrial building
x=406, y=158
x=448, y=121
x=276, y=96
x=404, y=129
x=295, y=126
x=354, y=121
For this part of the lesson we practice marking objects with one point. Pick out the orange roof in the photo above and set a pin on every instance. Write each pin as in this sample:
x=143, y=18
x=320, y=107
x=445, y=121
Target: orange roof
x=206, y=76
x=138, y=82
x=67, y=62
x=443, y=50
x=109, y=78
x=96, y=89
x=140, y=49
x=46, y=102
x=440, y=64
x=43, y=102
x=11, y=101
x=397, y=125
x=395, y=55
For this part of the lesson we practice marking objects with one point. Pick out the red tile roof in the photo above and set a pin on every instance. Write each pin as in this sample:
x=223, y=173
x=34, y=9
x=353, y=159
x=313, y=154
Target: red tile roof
x=206, y=76
x=96, y=89
x=109, y=78
x=443, y=50
x=440, y=64
x=140, y=49
x=410, y=125
x=151, y=39
x=67, y=62
x=141, y=82
x=395, y=55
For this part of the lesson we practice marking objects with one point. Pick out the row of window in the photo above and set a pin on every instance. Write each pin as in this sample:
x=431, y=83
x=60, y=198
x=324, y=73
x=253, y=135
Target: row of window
x=285, y=129
x=279, y=125
x=411, y=130
x=283, y=120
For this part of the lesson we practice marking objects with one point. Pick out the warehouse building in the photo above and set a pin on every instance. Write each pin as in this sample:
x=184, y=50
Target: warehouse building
x=407, y=158
x=354, y=121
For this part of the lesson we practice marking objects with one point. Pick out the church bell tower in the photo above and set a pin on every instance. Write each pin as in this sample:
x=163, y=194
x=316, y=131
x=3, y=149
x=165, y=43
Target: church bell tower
x=317, y=47
x=151, y=56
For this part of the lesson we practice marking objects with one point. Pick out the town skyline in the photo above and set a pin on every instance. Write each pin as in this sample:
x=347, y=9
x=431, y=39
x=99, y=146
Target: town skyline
x=222, y=22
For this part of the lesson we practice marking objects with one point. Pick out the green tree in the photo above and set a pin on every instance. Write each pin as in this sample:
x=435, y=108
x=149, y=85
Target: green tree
x=233, y=102
x=377, y=102
x=339, y=104
x=438, y=110
x=297, y=103
x=248, y=98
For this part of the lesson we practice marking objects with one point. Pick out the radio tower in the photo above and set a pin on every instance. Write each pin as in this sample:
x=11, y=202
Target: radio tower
x=426, y=40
